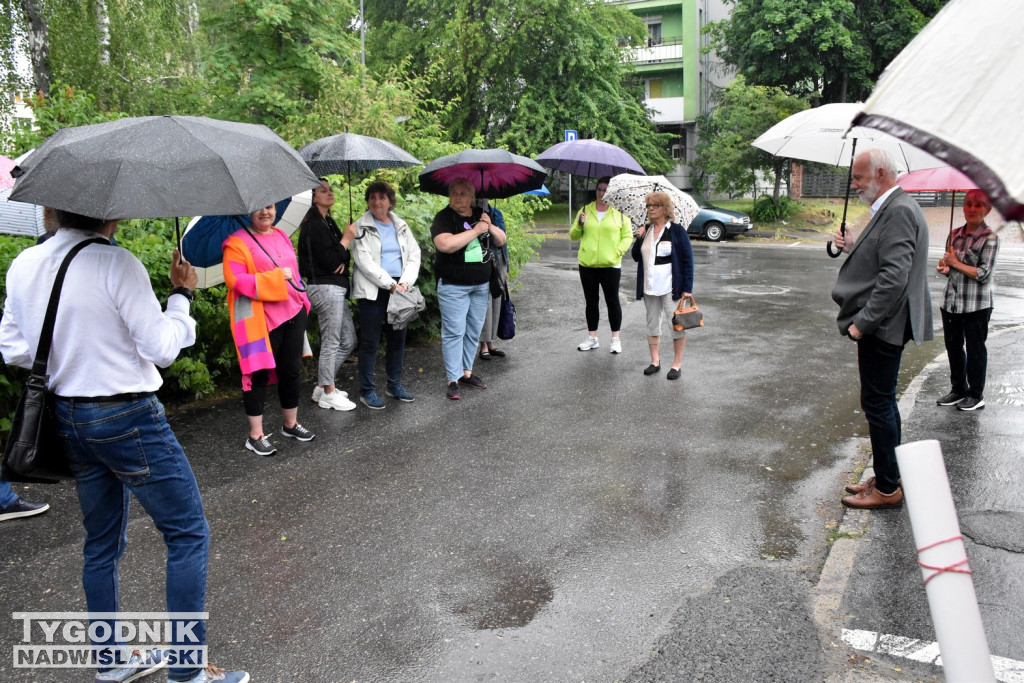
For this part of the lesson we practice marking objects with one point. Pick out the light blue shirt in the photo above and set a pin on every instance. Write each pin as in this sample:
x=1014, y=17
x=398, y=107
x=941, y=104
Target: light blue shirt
x=390, y=252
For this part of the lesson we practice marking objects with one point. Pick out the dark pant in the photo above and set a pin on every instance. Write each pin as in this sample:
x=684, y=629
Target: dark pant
x=879, y=365
x=373, y=316
x=606, y=279
x=967, y=370
x=286, y=340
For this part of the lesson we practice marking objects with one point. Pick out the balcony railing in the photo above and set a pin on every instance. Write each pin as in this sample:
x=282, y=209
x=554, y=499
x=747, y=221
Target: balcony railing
x=667, y=110
x=668, y=49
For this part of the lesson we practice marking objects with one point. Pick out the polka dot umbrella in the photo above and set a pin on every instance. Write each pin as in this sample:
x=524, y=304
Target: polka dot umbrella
x=627, y=192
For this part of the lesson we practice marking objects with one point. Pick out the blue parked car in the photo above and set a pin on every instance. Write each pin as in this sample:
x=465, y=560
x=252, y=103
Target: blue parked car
x=715, y=224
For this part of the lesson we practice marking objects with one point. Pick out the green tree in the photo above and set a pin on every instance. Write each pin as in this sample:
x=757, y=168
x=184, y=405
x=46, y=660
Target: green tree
x=270, y=60
x=826, y=50
x=521, y=72
x=725, y=159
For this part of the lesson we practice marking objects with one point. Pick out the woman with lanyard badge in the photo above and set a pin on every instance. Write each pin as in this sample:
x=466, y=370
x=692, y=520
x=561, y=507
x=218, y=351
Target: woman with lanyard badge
x=664, y=275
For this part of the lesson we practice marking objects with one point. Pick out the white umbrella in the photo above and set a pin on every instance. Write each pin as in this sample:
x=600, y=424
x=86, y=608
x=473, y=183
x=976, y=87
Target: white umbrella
x=626, y=192
x=287, y=221
x=956, y=91
x=18, y=218
x=824, y=134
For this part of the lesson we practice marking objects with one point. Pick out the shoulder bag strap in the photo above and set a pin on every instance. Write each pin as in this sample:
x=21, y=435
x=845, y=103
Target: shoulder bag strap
x=299, y=287
x=46, y=334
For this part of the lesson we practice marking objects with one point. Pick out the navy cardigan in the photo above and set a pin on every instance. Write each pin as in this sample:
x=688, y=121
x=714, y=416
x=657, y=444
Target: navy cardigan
x=682, y=262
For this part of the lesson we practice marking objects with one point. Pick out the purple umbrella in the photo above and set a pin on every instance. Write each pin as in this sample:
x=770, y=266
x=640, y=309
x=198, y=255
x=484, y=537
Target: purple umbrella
x=590, y=158
x=495, y=173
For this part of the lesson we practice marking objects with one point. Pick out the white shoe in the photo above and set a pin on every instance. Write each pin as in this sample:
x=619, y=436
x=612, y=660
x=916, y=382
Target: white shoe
x=336, y=400
x=616, y=345
x=318, y=393
x=591, y=343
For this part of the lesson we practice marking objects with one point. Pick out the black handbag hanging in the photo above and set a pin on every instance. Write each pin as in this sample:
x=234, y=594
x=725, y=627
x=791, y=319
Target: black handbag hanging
x=34, y=452
x=507, y=316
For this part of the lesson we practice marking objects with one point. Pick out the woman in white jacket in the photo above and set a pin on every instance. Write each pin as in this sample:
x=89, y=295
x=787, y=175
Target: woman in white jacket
x=386, y=258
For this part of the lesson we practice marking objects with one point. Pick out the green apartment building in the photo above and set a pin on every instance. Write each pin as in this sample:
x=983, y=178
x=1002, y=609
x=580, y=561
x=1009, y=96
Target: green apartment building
x=680, y=83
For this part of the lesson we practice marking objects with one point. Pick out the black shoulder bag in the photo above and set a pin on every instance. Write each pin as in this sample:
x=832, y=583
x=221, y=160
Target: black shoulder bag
x=34, y=452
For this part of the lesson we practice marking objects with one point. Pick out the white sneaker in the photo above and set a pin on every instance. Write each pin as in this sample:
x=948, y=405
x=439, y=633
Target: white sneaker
x=336, y=400
x=616, y=345
x=318, y=393
x=591, y=343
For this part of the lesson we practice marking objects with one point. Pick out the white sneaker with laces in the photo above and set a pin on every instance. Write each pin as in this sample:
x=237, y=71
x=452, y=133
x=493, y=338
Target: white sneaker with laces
x=336, y=400
x=616, y=345
x=591, y=343
x=318, y=393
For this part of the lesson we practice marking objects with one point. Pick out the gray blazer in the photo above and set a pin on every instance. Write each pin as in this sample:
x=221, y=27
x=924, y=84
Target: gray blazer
x=884, y=280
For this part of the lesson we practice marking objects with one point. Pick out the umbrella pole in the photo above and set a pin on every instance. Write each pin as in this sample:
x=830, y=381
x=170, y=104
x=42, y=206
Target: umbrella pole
x=952, y=208
x=846, y=202
x=177, y=239
x=570, y=199
x=348, y=179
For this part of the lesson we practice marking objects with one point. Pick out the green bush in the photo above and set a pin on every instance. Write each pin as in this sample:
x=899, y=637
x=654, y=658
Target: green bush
x=767, y=211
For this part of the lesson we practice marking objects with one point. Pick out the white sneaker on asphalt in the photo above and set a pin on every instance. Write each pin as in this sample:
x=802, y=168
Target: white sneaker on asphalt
x=616, y=345
x=318, y=393
x=336, y=400
x=591, y=343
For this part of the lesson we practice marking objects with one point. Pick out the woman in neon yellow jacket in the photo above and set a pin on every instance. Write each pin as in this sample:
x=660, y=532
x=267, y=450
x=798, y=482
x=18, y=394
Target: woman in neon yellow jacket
x=605, y=235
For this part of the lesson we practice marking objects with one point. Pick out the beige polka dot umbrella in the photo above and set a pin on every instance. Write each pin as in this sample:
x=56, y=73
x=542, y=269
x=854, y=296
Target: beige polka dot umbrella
x=627, y=193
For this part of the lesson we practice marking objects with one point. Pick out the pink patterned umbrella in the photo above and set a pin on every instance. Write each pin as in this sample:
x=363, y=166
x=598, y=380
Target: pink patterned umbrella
x=495, y=173
x=6, y=181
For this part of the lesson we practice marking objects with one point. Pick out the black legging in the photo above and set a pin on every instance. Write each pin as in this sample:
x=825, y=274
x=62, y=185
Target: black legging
x=608, y=280
x=286, y=340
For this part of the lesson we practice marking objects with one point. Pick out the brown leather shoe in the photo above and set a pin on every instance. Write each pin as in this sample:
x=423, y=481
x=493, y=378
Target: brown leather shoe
x=873, y=499
x=859, y=488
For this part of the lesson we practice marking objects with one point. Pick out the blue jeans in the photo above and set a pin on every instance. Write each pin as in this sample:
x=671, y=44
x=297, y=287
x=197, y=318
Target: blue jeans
x=373, y=316
x=128, y=447
x=967, y=370
x=7, y=495
x=879, y=365
x=463, y=308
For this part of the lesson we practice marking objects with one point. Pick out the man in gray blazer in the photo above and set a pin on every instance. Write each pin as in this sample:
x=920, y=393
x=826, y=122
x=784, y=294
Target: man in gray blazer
x=882, y=292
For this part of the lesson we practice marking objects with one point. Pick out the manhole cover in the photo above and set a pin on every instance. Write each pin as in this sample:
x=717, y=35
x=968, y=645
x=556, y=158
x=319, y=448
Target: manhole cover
x=759, y=289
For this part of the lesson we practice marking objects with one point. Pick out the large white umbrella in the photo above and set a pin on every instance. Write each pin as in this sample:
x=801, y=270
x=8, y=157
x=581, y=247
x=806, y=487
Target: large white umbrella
x=824, y=134
x=957, y=91
x=18, y=218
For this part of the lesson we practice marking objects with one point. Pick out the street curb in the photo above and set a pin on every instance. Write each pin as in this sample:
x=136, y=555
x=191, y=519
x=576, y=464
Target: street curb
x=855, y=524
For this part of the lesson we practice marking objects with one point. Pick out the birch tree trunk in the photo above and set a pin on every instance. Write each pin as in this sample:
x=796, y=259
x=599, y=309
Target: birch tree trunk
x=103, y=24
x=38, y=45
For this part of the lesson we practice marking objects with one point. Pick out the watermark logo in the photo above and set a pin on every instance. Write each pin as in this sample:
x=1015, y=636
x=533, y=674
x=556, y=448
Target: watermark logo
x=66, y=640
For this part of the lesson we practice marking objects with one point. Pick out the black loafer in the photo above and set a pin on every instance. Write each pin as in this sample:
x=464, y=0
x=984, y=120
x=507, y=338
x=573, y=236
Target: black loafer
x=651, y=369
x=485, y=355
x=497, y=353
x=673, y=373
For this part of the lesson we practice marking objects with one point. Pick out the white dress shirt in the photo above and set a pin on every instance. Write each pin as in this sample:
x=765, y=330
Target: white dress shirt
x=110, y=332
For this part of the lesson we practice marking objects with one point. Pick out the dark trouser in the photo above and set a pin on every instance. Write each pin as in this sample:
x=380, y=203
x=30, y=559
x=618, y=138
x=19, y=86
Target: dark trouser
x=879, y=365
x=608, y=280
x=286, y=340
x=373, y=315
x=967, y=370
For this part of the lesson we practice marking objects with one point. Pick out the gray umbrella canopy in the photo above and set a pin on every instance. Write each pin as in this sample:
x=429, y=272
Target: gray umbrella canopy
x=350, y=153
x=162, y=166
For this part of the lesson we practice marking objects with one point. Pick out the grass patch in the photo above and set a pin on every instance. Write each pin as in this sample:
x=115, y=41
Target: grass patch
x=556, y=214
x=818, y=215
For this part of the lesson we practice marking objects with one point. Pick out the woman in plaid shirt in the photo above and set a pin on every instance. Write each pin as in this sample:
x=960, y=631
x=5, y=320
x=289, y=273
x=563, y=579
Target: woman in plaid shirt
x=967, y=302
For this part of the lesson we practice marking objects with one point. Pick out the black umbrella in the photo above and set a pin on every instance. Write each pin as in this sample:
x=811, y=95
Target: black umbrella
x=349, y=153
x=162, y=166
x=495, y=173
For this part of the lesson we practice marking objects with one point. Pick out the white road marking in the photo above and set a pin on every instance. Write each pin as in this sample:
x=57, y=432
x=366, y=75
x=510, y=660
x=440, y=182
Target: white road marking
x=1007, y=670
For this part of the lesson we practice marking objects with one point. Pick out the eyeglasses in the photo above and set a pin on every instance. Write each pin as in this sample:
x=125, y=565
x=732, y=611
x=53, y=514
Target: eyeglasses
x=654, y=206
x=602, y=189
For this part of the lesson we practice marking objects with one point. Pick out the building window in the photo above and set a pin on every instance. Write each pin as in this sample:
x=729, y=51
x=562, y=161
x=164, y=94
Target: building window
x=653, y=34
x=652, y=87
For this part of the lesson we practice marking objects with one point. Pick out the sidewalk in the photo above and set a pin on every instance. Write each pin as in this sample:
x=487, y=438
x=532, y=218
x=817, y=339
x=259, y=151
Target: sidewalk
x=870, y=596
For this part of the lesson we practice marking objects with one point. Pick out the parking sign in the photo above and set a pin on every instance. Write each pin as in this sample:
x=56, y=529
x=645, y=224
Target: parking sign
x=570, y=135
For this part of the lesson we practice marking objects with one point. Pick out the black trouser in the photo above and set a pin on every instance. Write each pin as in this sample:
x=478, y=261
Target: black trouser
x=608, y=280
x=967, y=369
x=286, y=340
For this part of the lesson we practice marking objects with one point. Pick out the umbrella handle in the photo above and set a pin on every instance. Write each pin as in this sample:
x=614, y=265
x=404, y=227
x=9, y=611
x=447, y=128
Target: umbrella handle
x=829, y=250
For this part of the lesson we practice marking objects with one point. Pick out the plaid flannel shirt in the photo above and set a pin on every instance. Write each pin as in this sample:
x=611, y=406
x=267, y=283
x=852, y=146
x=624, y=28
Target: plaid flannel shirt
x=978, y=249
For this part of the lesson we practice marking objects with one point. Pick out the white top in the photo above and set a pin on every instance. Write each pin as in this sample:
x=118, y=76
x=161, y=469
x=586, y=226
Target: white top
x=880, y=199
x=110, y=332
x=658, y=278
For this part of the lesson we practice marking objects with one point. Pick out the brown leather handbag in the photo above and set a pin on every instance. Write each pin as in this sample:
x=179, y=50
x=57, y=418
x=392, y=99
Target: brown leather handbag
x=687, y=317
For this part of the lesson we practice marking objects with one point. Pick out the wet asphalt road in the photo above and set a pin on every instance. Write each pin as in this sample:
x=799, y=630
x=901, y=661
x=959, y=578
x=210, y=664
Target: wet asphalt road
x=575, y=521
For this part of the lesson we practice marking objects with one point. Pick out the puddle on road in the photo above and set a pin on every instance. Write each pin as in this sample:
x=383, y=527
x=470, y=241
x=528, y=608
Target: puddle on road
x=513, y=601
